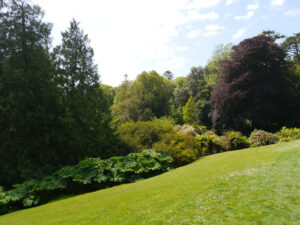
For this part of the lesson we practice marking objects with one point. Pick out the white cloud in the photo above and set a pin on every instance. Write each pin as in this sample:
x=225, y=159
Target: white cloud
x=194, y=34
x=277, y=2
x=213, y=30
x=214, y=27
x=229, y=2
x=194, y=15
x=245, y=17
x=181, y=48
x=240, y=33
x=210, y=33
x=253, y=6
x=201, y=4
x=209, y=30
x=293, y=12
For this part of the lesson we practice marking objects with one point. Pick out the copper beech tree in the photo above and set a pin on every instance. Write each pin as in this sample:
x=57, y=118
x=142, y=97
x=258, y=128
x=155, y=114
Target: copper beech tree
x=253, y=91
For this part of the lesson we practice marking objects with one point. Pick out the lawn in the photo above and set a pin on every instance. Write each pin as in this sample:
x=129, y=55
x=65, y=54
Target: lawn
x=251, y=186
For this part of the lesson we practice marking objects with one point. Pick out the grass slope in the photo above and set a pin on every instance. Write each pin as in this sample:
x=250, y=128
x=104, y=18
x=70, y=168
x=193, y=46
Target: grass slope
x=252, y=186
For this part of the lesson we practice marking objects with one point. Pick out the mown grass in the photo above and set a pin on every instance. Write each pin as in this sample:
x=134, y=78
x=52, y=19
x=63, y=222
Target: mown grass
x=251, y=186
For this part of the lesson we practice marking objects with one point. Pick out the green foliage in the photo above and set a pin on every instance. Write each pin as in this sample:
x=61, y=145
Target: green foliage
x=236, y=140
x=168, y=75
x=108, y=93
x=189, y=111
x=214, y=66
x=200, y=83
x=210, y=143
x=176, y=114
x=180, y=82
x=183, y=148
x=53, y=112
x=272, y=34
x=31, y=122
x=292, y=47
x=261, y=138
x=288, y=134
x=145, y=98
x=181, y=96
x=87, y=106
x=89, y=174
x=142, y=135
x=200, y=91
x=200, y=129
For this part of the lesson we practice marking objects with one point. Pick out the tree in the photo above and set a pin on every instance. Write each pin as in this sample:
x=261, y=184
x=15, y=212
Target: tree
x=213, y=67
x=272, y=34
x=181, y=95
x=181, y=92
x=108, y=93
x=147, y=97
x=168, y=75
x=292, y=47
x=189, y=111
x=201, y=92
x=195, y=81
x=30, y=111
x=87, y=109
x=254, y=92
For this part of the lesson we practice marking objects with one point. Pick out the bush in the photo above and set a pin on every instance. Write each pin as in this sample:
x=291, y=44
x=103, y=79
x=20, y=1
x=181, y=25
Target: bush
x=288, y=134
x=183, y=148
x=261, y=138
x=186, y=129
x=88, y=175
x=200, y=129
x=210, y=143
x=142, y=135
x=235, y=140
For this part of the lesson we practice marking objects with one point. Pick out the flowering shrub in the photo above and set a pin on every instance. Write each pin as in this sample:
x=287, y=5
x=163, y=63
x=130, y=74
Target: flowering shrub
x=186, y=129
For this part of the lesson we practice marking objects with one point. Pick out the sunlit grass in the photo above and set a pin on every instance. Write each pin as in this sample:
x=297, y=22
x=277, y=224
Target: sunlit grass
x=252, y=186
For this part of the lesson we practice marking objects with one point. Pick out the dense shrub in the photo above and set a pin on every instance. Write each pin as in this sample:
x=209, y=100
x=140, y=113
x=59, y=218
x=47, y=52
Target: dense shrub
x=88, y=175
x=186, y=129
x=142, y=135
x=211, y=143
x=235, y=140
x=183, y=148
x=261, y=138
x=200, y=129
x=288, y=134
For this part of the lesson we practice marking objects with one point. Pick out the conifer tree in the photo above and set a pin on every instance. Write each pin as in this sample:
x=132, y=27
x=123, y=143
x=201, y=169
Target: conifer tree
x=189, y=111
x=29, y=100
x=87, y=109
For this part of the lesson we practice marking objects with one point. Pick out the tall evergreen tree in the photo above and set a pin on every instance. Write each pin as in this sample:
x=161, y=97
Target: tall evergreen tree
x=29, y=100
x=88, y=114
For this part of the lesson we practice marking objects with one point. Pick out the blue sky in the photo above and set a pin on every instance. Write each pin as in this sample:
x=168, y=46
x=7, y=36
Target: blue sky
x=131, y=36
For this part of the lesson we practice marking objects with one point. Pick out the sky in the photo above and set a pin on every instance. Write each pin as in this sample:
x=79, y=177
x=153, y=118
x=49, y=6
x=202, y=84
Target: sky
x=132, y=36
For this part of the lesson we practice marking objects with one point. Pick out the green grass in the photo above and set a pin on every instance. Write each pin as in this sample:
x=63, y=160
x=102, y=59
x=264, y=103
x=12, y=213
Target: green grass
x=251, y=186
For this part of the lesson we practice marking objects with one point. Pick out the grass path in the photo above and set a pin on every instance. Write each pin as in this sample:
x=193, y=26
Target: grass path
x=251, y=186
